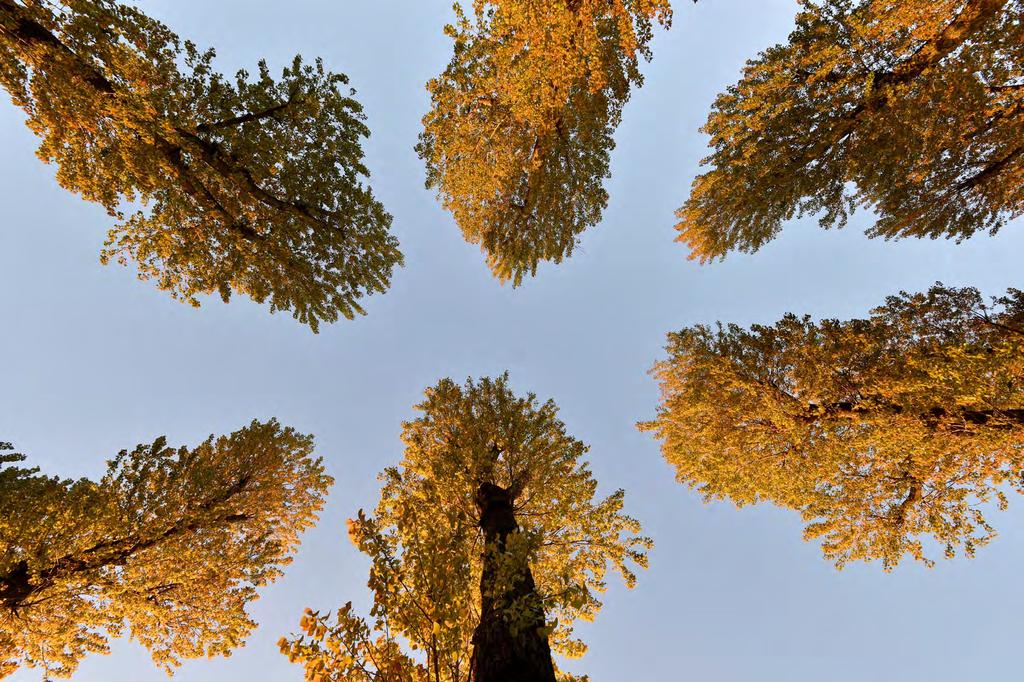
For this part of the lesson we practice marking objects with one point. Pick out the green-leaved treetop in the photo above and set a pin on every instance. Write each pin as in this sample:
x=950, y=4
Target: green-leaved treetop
x=250, y=185
x=913, y=109
x=888, y=434
x=169, y=546
x=487, y=544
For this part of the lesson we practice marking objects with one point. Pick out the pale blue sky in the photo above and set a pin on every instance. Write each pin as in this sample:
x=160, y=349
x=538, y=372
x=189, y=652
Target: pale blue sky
x=94, y=361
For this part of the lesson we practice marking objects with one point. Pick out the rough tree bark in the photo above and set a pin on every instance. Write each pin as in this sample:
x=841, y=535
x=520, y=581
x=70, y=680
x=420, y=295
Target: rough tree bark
x=499, y=653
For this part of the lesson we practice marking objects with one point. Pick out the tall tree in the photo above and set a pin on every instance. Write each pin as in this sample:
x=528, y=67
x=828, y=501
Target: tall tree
x=518, y=138
x=882, y=432
x=250, y=186
x=171, y=544
x=911, y=108
x=486, y=545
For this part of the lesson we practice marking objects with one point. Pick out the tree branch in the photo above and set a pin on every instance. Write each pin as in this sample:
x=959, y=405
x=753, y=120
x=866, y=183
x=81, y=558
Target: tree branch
x=17, y=23
x=248, y=117
x=18, y=584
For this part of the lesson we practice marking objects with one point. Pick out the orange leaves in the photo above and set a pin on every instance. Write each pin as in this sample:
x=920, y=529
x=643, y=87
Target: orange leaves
x=354, y=535
x=172, y=543
x=252, y=187
x=888, y=435
x=920, y=136
x=425, y=543
x=518, y=138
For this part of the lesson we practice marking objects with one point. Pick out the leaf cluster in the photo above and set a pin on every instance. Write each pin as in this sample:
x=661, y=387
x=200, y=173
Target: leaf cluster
x=911, y=108
x=169, y=546
x=252, y=185
x=518, y=137
x=426, y=547
x=881, y=432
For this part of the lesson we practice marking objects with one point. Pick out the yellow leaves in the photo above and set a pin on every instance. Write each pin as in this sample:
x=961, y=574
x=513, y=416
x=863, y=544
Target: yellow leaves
x=518, y=137
x=916, y=141
x=878, y=431
x=192, y=534
x=425, y=543
x=314, y=669
x=227, y=205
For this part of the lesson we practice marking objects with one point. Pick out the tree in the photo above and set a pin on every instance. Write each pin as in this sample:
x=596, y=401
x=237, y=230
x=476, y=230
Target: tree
x=251, y=186
x=486, y=545
x=171, y=543
x=912, y=108
x=881, y=432
x=518, y=138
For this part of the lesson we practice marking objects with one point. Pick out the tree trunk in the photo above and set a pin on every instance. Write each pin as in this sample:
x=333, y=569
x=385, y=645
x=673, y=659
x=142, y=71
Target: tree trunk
x=501, y=654
x=15, y=586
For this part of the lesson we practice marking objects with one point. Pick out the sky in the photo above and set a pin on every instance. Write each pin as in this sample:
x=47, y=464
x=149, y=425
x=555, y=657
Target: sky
x=93, y=361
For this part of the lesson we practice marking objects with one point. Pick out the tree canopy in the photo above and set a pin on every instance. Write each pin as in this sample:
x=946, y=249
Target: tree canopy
x=170, y=545
x=518, y=137
x=884, y=432
x=440, y=574
x=911, y=108
x=250, y=185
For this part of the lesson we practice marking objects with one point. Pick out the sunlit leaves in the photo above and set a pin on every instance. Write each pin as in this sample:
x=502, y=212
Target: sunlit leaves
x=887, y=434
x=425, y=542
x=169, y=546
x=251, y=185
x=518, y=137
x=911, y=108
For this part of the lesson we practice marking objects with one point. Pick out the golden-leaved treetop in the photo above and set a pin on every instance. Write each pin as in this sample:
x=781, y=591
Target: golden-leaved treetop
x=251, y=185
x=912, y=108
x=887, y=434
x=487, y=544
x=518, y=137
x=170, y=545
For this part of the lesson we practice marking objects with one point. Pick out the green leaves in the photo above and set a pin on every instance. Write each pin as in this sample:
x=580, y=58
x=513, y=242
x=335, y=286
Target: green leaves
x=427, y=547
x=253, y=186
x=911, y=109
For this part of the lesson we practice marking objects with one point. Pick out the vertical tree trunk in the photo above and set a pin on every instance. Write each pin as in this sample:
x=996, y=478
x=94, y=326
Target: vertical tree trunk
x=499, y=653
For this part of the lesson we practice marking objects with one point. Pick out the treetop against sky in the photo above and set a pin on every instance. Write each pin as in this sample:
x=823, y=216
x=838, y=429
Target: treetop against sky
x=888, y=431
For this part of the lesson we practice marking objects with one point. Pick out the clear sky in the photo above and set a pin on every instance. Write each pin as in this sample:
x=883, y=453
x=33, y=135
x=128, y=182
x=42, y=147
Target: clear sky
x=92, y=361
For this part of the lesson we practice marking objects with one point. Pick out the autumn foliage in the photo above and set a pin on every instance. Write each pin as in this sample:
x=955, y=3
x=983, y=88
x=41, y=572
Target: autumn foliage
x=247, y=185
x=887, y=434
x=434, y=566
x=519, y=134
x=169, y=546
x=912, y=108
x=893, y=436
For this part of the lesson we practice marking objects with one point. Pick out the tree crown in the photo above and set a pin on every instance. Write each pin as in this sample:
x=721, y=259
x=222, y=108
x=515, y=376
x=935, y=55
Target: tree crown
x=426, y=545
x=910, y=108
x=171, y=543
x=250, y=185
x=518, y=138
x=879, y=431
